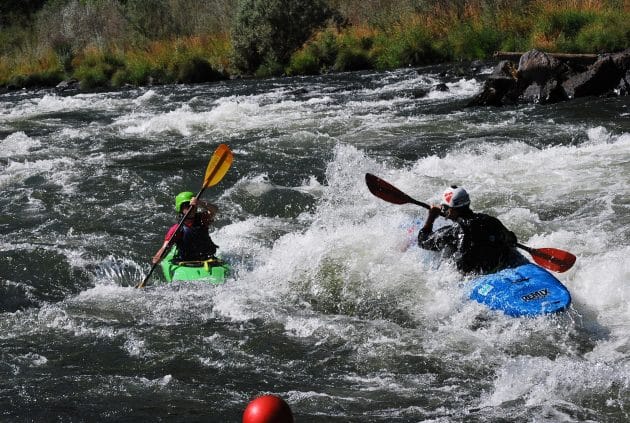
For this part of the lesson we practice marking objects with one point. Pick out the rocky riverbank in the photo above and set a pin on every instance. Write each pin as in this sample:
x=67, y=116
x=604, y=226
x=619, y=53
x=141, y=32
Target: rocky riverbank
x=544, y=78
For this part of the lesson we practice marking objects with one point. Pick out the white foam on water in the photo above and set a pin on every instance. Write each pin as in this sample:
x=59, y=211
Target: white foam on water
x=233, y=115
x=540, y=381
x=148, y=97
x=462, y=88
x=18, y=144
x=30, y=108
x=344, y=258
x=348, y=258
x=61, y=171
x=230, y=115
x=600, y=282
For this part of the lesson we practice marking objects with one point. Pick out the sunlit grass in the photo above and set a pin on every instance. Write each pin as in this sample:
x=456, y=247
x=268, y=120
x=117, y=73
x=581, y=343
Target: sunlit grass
x=472, y=30
x=31, y=70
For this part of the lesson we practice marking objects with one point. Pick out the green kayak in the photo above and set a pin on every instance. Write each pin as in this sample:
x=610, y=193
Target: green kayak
x=213, y=271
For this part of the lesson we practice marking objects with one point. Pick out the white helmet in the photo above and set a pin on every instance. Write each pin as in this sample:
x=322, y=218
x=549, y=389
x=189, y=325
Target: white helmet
x=455, y=197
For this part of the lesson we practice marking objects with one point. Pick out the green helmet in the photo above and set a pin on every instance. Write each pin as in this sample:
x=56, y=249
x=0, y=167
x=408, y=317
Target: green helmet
x=183, y=197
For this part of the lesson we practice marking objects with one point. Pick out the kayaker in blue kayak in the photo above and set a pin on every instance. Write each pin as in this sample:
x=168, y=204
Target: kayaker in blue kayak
x=193, y=239
x=477, y=242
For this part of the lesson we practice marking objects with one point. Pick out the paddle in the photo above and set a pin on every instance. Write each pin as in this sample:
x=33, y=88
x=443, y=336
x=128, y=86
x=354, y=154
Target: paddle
x=217, y=168
x=550, y=258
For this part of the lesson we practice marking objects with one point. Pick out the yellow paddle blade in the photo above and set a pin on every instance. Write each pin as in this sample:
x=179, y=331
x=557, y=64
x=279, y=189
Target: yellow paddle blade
x=219, y=164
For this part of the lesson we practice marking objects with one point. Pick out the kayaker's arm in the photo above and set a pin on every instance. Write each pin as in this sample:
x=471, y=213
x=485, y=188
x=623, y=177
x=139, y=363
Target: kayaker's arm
x=171, y=236
x=426, y=230
x=210, y=210
x=438, y=240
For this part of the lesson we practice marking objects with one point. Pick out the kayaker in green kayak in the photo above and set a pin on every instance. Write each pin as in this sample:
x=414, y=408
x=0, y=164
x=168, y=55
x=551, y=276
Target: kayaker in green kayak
x=193, y=238
x=477, y=242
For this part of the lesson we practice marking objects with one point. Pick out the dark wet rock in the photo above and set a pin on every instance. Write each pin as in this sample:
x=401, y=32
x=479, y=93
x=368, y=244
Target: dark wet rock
x=68, y=84
x=537, y=67
x=300, y=92
x=600, y=78
x=458, y=71
x=475, y=65
x=622, y=59
x=549, y=92
x=440, y=87
x=624, y=85
x=500, y=88
x=544, y=78
x=419, y=93
x=413, y=93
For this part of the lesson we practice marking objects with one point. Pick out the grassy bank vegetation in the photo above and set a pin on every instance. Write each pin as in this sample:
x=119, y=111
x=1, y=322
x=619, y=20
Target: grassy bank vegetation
x=442, y=31
x=110, y=43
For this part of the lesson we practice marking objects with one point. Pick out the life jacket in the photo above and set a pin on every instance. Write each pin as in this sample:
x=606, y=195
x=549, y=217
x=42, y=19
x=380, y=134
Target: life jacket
x=486, y=245
x=194, y=242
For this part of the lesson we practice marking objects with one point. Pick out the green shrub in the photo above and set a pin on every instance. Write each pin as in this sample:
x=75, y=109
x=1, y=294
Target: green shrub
x=384, y=55
x=304, y=62
x=514, y=42
x=352, y=58
x=96, y=68
x=136, y=72
x=410, y=45
x=91, y=77
x=195, y=70
x=120, y=78
x=559, y=28
x=267, y=32
x=269, y=68
x=570, y=22
x=327, y=48
x=470, y=41
x=607, y=33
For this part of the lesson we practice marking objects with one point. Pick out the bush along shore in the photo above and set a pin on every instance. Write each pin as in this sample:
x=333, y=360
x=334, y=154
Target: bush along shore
x=297, y=37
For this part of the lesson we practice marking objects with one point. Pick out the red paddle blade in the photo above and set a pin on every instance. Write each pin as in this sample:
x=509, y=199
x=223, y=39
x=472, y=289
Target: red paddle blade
x=385, y=190
x=553, y=259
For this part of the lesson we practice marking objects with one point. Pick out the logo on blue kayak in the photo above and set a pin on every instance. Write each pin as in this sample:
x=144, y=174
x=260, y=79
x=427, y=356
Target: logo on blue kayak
x=536, y=295
x=485, y=288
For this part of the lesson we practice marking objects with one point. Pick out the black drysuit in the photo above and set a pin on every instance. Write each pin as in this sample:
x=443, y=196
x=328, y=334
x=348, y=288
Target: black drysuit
x=194, y=242
x=477, y=242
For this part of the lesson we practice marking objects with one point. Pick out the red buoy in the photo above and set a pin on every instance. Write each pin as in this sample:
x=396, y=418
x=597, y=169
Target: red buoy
x=268, y=409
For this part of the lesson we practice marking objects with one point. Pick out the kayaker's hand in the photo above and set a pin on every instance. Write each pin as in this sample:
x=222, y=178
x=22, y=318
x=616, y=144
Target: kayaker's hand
x=156, y=258
x=434, y=213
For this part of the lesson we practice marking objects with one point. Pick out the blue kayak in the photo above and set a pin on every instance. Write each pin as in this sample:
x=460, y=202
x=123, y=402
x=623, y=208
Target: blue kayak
x=526, y=290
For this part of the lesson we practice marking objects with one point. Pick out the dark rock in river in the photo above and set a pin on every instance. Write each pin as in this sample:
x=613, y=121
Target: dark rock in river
x=500, y=88
x=546, y=78
x=537, y=67
x=68, y=84
x=602, y=77
x=440, y=87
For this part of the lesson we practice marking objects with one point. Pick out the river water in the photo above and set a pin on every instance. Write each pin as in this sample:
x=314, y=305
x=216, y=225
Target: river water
x=326, y=307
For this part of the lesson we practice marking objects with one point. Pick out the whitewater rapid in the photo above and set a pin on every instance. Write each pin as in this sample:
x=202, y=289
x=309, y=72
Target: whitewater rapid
x=328, y=306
